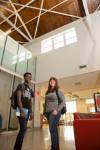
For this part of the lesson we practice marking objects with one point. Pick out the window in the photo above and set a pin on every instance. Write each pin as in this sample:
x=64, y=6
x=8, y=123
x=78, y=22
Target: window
x=28, y=54
x=90, y=101
x=46, y=45
x=71, y=106
x=22, y=56
x=66, y=37
x=70, y=36
x=92, y=109
x=58, y=40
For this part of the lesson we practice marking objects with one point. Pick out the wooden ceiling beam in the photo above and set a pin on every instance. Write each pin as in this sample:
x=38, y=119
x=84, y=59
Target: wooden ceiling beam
x=18, y=15
x=97, y=8
x=14, y=23
x=17, y=11
x=86, y=7
x=38, y=19
x=50, y=10
x=47, y=10
x=6, y=8
x=15, y=20
x=11, y=24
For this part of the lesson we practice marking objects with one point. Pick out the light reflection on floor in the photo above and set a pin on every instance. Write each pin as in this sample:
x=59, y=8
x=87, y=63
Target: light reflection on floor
x=39, y=139
x=67, y=131
x=66, y=135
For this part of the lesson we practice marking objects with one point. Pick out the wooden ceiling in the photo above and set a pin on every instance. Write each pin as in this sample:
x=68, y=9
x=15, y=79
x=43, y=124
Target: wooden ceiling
x=24, y=20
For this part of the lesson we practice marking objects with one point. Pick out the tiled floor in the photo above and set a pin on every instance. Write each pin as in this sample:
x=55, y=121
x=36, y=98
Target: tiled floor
x=39, y=139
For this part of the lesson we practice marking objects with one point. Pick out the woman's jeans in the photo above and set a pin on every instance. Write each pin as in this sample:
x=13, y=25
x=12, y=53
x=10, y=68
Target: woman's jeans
x=20, y=136
x=53, y=122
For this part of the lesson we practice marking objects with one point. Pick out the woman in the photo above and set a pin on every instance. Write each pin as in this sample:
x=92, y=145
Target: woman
x=52, y=110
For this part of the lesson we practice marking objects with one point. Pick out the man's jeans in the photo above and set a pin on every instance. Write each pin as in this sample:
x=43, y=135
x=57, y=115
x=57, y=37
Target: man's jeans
x=20, y=136
x=53, y=121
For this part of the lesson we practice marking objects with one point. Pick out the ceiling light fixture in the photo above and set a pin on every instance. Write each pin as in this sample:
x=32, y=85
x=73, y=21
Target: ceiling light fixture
x=78, y=83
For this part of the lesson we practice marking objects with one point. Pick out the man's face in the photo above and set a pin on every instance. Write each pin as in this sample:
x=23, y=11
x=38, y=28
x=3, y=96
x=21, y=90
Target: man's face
x=28, y=78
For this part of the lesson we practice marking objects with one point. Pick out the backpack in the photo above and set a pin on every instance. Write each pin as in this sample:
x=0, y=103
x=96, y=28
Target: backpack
x=13, y=97
x=63, y=110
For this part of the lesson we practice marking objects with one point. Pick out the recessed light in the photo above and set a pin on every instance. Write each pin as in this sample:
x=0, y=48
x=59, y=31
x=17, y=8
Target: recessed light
x=78, y=83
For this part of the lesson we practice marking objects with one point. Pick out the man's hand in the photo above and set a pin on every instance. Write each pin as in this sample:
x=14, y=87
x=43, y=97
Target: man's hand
x=31, y=116
x=22, y=114
x=54, y=112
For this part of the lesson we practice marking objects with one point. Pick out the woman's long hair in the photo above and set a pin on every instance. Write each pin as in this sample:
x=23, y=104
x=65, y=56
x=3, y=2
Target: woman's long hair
x=50, y=87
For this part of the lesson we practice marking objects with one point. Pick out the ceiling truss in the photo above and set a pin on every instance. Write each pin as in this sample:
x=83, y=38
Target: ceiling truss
x=98, y=8
x=16, y=13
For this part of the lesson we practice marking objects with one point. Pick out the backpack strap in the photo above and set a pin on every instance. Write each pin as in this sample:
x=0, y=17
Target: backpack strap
x=59, y=100
x=23, y=87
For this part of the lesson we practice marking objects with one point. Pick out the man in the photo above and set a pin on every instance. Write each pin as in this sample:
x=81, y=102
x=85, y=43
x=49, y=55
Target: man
x=24, y=102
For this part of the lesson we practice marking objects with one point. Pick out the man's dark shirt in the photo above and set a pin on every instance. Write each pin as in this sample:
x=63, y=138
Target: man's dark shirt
x=27, y=94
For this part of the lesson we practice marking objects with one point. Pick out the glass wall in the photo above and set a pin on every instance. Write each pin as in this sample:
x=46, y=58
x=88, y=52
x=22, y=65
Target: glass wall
x=13, y=122
x=5, y=91
x=2, y=44
x=21, y=61
x=15, y=57
x=32, y=67
x=10, y=53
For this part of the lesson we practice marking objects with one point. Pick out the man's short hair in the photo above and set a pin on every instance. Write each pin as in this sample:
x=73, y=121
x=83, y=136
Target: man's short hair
x=27, y=73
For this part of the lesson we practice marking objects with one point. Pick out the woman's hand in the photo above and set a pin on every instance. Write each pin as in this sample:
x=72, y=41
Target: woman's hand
x=55, y=112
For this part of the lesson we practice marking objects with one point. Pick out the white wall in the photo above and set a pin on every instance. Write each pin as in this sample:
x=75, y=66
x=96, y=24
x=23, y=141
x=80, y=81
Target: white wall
x=65, y=61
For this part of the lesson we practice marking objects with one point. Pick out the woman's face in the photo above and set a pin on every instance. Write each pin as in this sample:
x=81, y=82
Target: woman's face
x=52, y=83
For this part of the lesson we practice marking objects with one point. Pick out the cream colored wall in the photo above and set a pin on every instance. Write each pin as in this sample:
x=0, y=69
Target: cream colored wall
x=86, y=93
x=81, y=106
x=81, y=102
x=65, y=61
x=41, y=105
